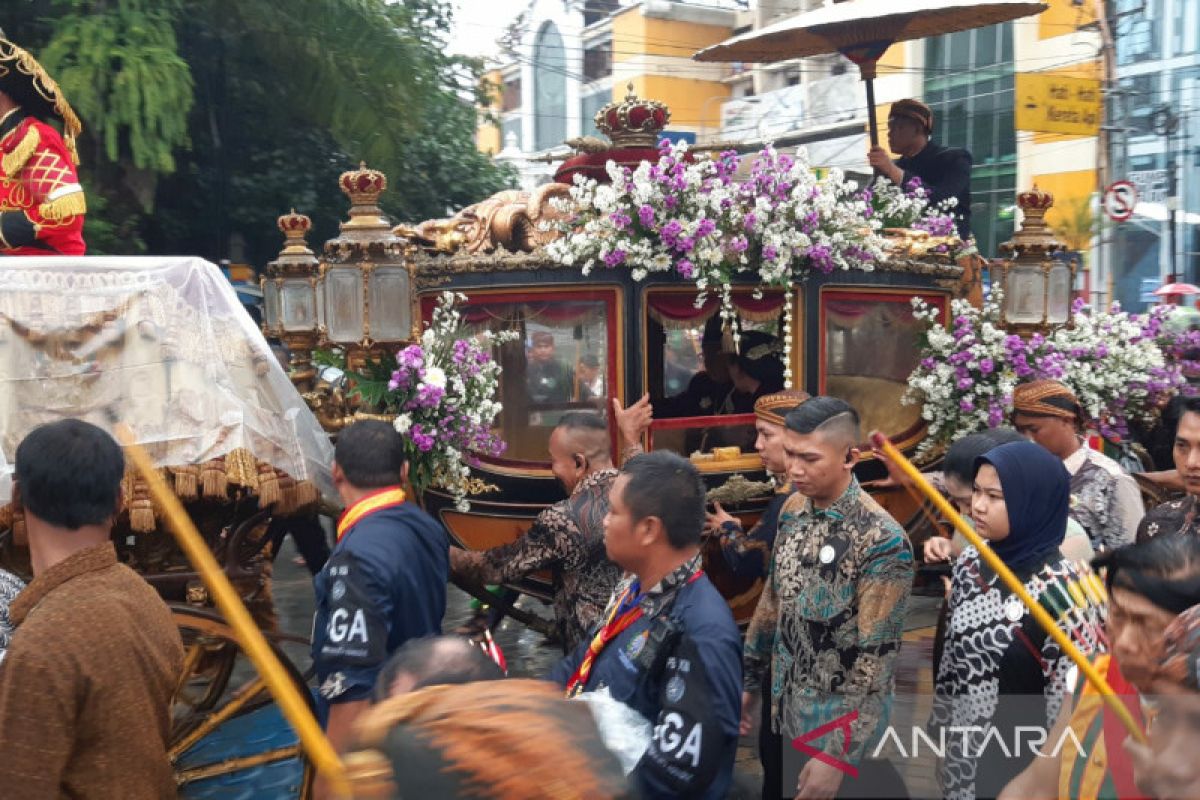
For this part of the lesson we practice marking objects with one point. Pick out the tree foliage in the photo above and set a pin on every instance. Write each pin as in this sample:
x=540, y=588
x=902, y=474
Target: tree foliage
x=205, y=120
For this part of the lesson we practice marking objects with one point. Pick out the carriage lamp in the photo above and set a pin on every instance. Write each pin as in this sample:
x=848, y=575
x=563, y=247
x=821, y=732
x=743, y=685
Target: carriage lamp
x=292, y=300
x=368, y=297
x=1036, y=285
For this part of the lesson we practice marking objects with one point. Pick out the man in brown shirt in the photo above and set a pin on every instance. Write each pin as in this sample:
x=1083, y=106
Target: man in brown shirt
x=86, y=688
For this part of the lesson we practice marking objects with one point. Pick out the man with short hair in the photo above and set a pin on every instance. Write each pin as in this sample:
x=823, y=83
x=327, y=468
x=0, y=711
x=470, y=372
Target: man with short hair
x=668, y=647
x=568, y=537
x=1179, y=516
x=85, y=691
x=547, y=379
x=384, y=583
x=434, y=661
x=829, y=623
x=944, y=172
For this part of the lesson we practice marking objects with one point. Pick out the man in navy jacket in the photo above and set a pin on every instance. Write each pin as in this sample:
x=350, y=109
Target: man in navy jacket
x=667, y=646
x=385, y=582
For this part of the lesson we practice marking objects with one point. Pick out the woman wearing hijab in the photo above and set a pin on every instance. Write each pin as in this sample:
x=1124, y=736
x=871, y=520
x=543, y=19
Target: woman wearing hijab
x=999, y=669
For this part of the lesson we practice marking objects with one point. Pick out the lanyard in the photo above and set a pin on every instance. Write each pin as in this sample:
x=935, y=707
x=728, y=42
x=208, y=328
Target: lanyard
x=389, y=497
x=618, y=621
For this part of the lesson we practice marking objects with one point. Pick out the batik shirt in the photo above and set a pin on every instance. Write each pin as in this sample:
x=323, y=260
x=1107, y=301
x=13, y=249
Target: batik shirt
x=10, y=587
x=999, y=669
x=568, y=539
x=830, y=619
x=1174, y=516
x=1104, y=499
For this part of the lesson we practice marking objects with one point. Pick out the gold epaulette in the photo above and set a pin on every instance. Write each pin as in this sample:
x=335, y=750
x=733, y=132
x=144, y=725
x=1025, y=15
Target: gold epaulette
x=12, y=162
x=68, y=205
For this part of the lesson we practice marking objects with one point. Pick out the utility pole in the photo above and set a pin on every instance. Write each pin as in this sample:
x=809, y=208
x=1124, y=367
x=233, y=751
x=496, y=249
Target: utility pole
x=1166, y=124
x=1112, y=102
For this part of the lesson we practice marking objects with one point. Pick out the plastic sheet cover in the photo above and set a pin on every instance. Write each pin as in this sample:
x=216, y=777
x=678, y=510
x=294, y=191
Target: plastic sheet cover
x=162, y=341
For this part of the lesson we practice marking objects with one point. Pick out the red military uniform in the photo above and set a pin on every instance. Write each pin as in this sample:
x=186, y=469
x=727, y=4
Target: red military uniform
x=41, y=202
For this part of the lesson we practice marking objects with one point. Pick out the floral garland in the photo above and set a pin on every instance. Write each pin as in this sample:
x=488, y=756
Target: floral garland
x=442, y=391
x=690, y=217
x=1122, y=367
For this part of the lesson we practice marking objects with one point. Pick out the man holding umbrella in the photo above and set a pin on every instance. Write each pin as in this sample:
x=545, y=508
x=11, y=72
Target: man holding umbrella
x=945, y=172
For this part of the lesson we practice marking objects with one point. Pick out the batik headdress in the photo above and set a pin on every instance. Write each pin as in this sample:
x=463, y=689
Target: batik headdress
x=29, y=85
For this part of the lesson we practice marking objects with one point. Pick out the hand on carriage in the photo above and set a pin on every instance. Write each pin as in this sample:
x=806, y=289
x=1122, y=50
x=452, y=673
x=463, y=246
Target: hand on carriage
x=714, y=520
x=894, y=477
x=633, y=422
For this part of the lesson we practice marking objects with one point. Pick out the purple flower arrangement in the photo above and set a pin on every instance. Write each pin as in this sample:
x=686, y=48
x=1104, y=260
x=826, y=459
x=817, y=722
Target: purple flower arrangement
x=1122, y=367
x=443, y=394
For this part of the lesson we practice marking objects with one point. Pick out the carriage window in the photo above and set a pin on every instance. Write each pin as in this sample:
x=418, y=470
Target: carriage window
x=560, y=361
x=871, y=345
x=692, y=375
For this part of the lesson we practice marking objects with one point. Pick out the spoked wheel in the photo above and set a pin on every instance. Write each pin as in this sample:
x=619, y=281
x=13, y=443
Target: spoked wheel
x=228, y=738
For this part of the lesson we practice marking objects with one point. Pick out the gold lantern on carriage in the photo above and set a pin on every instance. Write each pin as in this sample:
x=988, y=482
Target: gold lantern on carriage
x=292, y=307
x=369, y=305
x=1036, y=286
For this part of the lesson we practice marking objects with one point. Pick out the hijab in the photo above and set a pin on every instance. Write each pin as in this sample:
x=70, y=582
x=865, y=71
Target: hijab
x=1037, y=494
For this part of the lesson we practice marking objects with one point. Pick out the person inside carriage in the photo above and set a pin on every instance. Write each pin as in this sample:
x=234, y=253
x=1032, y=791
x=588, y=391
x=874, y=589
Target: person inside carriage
x=708, y=388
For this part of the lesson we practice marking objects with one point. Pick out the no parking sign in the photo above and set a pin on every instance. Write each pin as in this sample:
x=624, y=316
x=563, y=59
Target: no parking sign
x=1119, y=200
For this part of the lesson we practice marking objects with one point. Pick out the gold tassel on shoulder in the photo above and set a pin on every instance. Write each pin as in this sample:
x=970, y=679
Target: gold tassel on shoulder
x=12, y=162
x=69, y=205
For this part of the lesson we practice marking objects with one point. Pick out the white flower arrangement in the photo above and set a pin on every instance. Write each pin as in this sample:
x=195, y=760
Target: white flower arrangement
x=1113, y=361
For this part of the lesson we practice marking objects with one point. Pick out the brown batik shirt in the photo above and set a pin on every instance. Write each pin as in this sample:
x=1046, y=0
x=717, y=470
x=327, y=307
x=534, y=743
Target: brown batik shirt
x=568, y=539
x=1173, y=516
x=830, y=619
x=86, y=688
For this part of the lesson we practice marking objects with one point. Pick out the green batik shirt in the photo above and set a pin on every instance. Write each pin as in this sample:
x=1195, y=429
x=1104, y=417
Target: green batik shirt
x=830, y=620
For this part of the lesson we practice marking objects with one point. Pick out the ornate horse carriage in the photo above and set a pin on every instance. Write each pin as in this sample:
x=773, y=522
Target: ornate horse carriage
x=584, y=339
x=164, y=346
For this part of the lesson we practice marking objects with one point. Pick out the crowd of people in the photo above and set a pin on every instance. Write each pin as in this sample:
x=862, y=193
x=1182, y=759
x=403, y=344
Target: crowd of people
x=657, y=685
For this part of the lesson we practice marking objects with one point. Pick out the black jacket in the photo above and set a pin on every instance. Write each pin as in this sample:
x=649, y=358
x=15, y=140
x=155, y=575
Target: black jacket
x=944, y=172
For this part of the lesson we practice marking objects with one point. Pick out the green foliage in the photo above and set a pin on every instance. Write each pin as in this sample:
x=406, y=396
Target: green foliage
x=222, y=114
x=120, y=69
x=372, y=386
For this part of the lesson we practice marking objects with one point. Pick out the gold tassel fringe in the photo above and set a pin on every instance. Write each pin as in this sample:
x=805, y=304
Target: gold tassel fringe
x=65, y=207
x=268, y=486
x=187, y=483
x=241, y=468
x=307, y=496
x=287, y=494
x=141, y=516
x=13, y=161
x=213, y=480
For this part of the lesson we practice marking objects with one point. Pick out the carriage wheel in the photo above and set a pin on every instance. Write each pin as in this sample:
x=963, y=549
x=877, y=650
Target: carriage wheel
x=227, y=736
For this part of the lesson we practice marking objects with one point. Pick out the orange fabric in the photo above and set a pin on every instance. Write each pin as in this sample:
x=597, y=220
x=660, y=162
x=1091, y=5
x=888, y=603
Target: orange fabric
x=389, y=497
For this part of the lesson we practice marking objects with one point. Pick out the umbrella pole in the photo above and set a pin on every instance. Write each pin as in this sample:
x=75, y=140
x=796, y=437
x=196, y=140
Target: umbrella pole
x=871, y=120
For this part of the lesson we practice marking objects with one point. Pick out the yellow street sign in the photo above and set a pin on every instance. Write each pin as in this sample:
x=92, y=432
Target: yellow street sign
x=1054, y=104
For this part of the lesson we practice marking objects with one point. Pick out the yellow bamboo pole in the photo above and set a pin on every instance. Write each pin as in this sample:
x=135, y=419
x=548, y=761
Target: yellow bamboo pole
x=884, y=445
x=312, y=738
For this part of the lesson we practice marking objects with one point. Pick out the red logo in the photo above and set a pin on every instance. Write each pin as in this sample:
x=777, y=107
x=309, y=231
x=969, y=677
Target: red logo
x=842, y=723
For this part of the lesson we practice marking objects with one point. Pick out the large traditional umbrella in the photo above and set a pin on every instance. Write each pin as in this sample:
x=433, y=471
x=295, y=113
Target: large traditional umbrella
x=862, y=30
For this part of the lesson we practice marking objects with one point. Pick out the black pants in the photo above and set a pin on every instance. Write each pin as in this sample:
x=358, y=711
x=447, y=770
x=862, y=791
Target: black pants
x=307, y=534
x=781, y=767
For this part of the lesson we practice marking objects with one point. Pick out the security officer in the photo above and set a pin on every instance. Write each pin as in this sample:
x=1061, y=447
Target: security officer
x=668, y=647
x=385, y=582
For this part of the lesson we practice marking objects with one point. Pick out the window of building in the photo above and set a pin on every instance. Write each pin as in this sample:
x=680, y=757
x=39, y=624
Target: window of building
x=510, y=97
x=597, y=10
x=564, y=359
x=969, y=86
x=549, y=89
x=589, y=105
x=597, y=62
x=511, y=129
